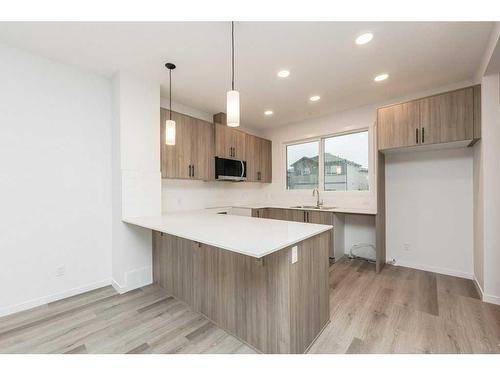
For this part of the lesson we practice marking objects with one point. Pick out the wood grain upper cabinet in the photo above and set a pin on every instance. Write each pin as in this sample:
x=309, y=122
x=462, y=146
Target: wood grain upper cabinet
x=266, y=160
x=192, y=156
x=259, y=159
x=453, y=116
x=397, y=125
x=230, y=143
x=447, y=117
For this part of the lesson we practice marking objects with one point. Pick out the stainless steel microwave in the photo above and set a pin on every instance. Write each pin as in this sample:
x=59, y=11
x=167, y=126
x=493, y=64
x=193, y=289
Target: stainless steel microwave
x=230, y=169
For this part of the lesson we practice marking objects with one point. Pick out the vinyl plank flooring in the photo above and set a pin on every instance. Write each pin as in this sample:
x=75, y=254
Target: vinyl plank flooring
x=399, y=310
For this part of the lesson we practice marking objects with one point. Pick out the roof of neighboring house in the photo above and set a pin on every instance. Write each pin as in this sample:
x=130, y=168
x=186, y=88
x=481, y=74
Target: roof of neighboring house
x=329, y=158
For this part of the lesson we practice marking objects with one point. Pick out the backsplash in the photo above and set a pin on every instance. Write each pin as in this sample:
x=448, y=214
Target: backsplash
x=179, y=195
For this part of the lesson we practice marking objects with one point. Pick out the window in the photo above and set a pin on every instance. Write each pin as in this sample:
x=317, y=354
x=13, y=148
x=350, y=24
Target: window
x=334, y=163
x=346, y=162
x=302, y=161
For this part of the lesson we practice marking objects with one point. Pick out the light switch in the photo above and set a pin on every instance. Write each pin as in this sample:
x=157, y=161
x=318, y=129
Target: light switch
x=295, y=254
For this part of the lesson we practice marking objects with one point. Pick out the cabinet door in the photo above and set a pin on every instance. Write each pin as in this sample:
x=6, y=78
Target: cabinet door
x=259, y=159
x=223, y=141
x=239, y=144
x=229, y=143
x=176, y=159
x=260, y=212
x=277, y=213
x=296, y=215
x=252, y=158
x=397, y=125
x=321, y=217
x=266, y=167
x=318, y=217
x=203, y=150
x=448, y=117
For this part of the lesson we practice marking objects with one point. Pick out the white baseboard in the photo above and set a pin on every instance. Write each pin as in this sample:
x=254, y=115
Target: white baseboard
x=441, y=270
x=134, y=279
x=491, y=299
x=486, y=297
x=478, y=288
x=53, y=297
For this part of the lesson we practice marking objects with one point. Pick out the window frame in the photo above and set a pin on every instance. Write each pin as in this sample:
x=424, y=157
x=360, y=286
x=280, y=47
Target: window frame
x=321, y=167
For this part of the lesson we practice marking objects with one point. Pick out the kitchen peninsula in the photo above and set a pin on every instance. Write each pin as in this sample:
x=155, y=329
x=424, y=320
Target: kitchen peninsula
x=263, y=280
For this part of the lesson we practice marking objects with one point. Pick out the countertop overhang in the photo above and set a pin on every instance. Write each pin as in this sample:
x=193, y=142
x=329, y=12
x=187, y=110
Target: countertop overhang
x=255, y=237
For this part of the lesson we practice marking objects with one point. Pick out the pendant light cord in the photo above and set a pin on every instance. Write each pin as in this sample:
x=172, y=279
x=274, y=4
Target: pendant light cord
x=170, y=93
x=232, y=55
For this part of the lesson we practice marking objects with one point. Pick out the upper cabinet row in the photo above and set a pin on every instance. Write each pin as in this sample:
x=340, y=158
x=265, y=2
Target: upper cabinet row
x=450, y=117
x=197, y=142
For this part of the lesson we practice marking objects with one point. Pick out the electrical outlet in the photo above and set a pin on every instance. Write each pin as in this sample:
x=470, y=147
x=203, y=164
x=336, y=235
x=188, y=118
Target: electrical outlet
x=406, y=247
x=60, y=271
x=295, y=254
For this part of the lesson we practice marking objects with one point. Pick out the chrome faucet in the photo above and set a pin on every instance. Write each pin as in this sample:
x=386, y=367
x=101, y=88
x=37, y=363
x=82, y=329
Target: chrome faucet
x=316, y=192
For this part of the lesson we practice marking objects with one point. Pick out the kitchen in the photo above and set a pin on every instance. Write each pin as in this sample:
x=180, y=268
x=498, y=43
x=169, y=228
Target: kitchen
x=271, y=199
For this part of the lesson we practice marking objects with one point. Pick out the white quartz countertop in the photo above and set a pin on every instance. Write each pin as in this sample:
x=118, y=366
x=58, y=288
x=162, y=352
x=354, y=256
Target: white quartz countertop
x=255, y=237
x=340, y=210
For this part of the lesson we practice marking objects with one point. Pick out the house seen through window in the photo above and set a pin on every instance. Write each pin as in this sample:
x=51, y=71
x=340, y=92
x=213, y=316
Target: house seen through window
x=302, y=165
x=343, y=166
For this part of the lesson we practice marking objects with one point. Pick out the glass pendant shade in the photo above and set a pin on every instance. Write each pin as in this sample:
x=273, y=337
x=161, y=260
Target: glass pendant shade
x=233, y=108
x=170, y=132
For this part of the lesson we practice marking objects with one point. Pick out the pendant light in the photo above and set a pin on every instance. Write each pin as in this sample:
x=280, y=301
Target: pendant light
x=233, y=96
x=170, y=124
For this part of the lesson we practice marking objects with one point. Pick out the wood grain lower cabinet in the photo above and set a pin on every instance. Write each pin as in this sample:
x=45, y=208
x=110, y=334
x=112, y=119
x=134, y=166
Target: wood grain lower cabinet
x=260, y=212
x=272, y=304
x=192, y=156
x=453, y=116
x=304, y=216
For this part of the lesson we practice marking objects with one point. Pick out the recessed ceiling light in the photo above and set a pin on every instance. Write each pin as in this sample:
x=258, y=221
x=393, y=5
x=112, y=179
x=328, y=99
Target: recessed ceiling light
x=268, y=112
x=283, y=73
x=364, y=38
x=381, y=77
x=314, y=98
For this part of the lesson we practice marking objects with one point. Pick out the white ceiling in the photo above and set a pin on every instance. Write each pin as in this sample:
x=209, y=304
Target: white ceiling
x=322, y=57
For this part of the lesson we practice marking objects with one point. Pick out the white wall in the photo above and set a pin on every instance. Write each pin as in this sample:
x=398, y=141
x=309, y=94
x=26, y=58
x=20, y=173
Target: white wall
x=487, y=188
x=55, y=180
x=136, y=177
x=429, y=206
x=487, y=176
